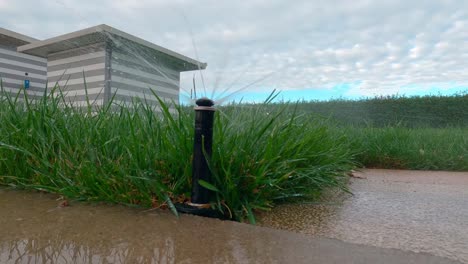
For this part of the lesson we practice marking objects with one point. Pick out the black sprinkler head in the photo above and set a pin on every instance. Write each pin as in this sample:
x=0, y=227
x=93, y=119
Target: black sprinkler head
x=205, y=102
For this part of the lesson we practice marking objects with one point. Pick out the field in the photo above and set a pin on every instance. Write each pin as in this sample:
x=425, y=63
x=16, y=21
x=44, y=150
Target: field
x=414, y=112
x=262, y=154
x=422, y=133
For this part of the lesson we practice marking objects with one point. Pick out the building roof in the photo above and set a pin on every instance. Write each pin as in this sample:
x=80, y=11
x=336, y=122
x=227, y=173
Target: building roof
x=14, y=39
x=105, y=33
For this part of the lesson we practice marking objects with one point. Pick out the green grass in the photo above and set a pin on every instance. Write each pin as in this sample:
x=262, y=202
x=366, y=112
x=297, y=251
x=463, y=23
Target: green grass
x=417, y=111
x=399, y=147
x=421, y=132
x=263, y=154
x=132, y=155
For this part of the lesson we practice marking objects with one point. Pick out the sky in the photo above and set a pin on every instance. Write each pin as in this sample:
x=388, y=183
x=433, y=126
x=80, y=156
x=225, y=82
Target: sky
x=307, y=50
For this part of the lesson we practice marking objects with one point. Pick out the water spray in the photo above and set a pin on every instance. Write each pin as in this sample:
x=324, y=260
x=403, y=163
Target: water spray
x=200, y=197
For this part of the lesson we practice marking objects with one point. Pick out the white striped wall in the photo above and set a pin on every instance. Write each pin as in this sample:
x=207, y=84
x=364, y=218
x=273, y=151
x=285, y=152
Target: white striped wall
x=73, y=70
x=78, y=72
x=135, y=77
x=14, y=65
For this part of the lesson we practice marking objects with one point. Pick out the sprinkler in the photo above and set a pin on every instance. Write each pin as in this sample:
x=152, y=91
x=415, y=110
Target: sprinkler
x=204, y=117
x=200, y=197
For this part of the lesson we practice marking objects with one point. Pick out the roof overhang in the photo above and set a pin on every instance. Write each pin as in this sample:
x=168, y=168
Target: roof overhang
x=105, y=33
x=14, y=39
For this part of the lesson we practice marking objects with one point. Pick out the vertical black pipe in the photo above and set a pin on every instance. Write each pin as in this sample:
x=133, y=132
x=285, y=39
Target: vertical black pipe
x=200, y=199
x=204, y=117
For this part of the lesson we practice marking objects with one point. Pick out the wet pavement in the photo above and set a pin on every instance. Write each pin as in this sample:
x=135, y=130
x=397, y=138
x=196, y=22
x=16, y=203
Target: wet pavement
x=35, y=229
x=419, y=211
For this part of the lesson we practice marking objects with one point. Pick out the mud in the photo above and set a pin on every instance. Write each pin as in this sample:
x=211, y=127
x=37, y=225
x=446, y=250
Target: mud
x=420, y=211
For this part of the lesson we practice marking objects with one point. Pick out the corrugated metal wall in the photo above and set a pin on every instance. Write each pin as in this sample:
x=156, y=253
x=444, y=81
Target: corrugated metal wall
x=69, y=70
x=14, y=65
x=133, y=77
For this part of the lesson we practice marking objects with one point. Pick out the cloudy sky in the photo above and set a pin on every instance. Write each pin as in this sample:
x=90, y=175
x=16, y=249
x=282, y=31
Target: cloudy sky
x=307, y=49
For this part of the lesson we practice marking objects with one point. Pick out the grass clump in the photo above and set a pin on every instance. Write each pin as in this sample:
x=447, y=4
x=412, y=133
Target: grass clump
x=135, y=155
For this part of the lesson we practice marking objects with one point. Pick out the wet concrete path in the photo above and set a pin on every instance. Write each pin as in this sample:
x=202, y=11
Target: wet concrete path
x=420, y=211
x=33, y=229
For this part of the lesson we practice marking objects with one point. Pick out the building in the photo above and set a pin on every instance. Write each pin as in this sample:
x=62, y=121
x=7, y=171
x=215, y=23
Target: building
x=101, y=62
x=17, y=67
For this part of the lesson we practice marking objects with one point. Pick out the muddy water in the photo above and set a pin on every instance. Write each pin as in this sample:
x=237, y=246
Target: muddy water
x=34, y=229
x=410, y=210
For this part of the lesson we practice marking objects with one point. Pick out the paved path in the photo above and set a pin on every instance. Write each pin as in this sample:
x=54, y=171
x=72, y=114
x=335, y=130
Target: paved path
x=386, y=211
x=419, y=211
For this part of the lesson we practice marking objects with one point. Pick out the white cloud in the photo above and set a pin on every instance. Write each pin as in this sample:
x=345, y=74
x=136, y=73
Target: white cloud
x=385, y=46
x=3, y=4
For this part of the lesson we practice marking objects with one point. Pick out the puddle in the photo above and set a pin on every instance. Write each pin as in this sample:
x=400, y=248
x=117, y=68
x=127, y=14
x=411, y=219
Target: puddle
x=35, y=229
x=410, y=210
